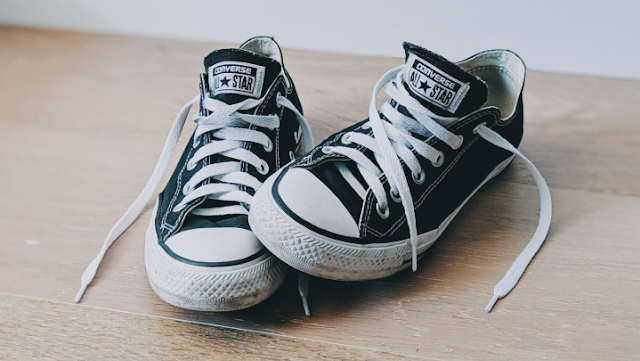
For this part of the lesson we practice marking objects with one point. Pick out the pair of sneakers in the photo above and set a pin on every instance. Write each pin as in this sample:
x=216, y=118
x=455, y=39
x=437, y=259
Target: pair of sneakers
x=240, y=210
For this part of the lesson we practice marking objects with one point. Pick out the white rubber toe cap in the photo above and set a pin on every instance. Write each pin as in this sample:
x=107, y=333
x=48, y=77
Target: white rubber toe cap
x=214, y=244
x=307, y=197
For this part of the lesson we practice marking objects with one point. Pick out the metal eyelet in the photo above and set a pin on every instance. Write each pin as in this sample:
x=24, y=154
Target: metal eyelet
x=395, y=196
x=291, y=155
x=187, y=189
x=196, y=143
x=366, y=126
x=280, y=106
x=269, y=147
x=345, y=138
x=475, y=130
x=327, y=149
x=419, y=179
x=439, y=161
x=461, y=138
x=264, y=168
x=191, y=166
x=384, y=214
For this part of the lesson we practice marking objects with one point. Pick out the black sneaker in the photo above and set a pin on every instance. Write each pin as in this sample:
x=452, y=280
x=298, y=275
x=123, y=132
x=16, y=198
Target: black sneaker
x=371, y=199
x=200, y=253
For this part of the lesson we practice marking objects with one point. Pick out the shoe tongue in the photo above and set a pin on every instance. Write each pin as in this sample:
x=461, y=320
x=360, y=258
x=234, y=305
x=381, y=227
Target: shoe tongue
x=440, y=85
x=235, y=74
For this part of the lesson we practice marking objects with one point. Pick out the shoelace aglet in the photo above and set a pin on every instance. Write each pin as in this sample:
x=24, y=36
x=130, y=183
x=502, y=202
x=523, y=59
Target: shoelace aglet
x=414, y=258
x=492, y=303
x=80, y=293
x=90, y=272
x=305, y=305
x=303, y=289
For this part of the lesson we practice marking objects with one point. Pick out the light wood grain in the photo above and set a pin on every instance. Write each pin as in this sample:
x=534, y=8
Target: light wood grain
x=41, y=330
x=83, y=119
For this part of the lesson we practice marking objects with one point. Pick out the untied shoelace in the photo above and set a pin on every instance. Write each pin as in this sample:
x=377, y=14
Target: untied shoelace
x=392, y=141
x=231, y=130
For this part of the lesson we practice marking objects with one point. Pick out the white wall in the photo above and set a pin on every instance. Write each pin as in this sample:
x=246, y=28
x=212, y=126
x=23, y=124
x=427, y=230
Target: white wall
x=585, y=37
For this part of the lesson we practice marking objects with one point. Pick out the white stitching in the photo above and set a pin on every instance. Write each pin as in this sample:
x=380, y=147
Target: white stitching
x=432, y=186
x=175, y=194
x=272, y=90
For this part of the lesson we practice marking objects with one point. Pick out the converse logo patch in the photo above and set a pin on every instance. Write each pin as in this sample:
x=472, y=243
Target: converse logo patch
x=235, y=77
x=434, y=85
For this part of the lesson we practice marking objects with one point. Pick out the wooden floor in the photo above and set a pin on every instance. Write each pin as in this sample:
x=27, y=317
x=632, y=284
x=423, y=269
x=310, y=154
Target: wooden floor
x=82, y=122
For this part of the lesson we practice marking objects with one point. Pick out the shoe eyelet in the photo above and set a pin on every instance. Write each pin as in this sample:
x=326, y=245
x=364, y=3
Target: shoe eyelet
x=366, y=126
x=291, y=155
x=384, y=214
x=327, y=149
x=178, y=208
x=264, y=168
x=187, y=189
x=395, y=196
x=191, y=166
x=419, y=179
x=475, y=130
x=438, y=161
x=269, y=147
x=196, y=143
x=345, y=138
x=461, y=141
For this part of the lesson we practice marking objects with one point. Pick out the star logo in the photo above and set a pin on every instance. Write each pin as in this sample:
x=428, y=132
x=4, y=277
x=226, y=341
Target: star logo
x=224, y=81
x=424, y=85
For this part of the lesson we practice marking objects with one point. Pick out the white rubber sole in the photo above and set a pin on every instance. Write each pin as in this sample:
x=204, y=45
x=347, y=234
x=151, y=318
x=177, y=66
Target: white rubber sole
x=207, y=288
x=321, y=256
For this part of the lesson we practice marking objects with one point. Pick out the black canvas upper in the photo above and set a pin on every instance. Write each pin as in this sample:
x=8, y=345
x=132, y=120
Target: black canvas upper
x=444, y=189
x=275, y=81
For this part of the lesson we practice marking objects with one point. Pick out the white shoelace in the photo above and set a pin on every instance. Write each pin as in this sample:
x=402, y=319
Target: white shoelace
x=230, y=129
x=393, y=141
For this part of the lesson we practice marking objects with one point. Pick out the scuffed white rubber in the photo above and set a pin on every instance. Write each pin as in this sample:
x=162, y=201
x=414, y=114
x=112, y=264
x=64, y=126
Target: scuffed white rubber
x=321, y=256
x=207, y=288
